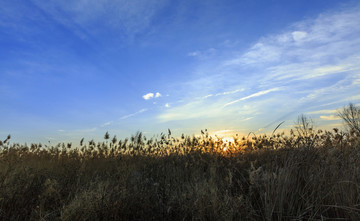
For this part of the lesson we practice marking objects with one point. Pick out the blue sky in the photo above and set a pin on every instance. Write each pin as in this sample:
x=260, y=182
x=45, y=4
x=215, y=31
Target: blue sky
x=73, y=69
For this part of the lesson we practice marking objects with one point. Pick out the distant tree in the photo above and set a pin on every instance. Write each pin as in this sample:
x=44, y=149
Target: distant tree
x=304, y=126
x=351, y=116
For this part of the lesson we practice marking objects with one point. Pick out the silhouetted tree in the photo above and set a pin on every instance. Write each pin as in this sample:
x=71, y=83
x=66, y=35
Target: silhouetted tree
x=351, y=116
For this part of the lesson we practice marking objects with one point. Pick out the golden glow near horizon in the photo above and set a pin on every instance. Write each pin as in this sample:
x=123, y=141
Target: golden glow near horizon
x=228, y=140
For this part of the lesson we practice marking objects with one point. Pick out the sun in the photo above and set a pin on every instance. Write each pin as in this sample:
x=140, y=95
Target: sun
x=228, y=140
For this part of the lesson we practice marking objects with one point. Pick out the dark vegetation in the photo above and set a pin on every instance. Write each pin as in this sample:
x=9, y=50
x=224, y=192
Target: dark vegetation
x=306, y=175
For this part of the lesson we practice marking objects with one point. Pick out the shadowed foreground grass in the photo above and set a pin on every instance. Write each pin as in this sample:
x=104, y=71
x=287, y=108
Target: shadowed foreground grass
x=307, y=175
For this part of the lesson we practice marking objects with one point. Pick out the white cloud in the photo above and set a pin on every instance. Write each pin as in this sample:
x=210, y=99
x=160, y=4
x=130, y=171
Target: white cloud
x=191, y=110
x=230, y=92
x=223, y=93
x=308, y=70
x=253, y=95
x=330, y=117
x=248, y=118
x=356, y=97
x=314, y=62
x=87, y=130
x=151, y=95
x=203, y=54
x=328, y=46
x=298, y=35
x=106, y=124
x=133, y=114
x=194, y=53
x=323, y=112
x=148, y=96
x=205, y=109
x=259, y=53
x=222, y=132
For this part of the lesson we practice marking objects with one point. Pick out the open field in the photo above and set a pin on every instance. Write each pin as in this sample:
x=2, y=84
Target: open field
x=312, y=175
x=104, y=105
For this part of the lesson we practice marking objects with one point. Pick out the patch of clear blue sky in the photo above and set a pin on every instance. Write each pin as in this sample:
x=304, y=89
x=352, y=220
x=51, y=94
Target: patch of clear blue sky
x=70, y=69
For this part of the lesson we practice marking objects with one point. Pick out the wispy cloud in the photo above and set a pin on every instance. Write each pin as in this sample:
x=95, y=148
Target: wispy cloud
x=248, y=118
x=314, y=63
x=89, y=129
x=83, y=17
x=322, y=112
x=190, y=110
x=133, y=114
x=223, y=133
x=207, y=96
x=257, y=94
x=106, y=124
x=230, y=92
x=221, y=94
x=208, y=53
x=205, y=110
x=298, y=35
x=259, y=53
x=310, y=49
x=350, y=98
x=330, y=117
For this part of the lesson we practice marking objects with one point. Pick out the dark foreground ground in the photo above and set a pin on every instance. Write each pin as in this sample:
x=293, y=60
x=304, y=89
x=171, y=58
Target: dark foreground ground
x=308, y=175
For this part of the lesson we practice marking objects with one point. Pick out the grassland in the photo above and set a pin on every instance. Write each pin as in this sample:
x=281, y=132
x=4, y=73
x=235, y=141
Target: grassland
x=306, y=175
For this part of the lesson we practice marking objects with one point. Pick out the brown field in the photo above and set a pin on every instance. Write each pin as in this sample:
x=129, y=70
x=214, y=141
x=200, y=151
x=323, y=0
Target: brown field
x=307, y=175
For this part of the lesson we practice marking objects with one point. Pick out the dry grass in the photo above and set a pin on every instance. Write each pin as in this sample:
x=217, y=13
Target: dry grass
x=303, y=176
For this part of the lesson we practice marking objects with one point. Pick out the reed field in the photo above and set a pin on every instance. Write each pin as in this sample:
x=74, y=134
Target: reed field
x=306, y=174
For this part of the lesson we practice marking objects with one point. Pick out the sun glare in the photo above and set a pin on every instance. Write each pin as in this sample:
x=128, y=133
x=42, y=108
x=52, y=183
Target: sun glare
x=228, y=140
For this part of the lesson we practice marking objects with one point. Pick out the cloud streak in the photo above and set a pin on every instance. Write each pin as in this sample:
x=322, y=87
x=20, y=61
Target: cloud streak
x=323, y=112
x=83, y=17
x=106, y=124
x=330, y=117
x=314, y=63
x=257, y=94
x=133, y=114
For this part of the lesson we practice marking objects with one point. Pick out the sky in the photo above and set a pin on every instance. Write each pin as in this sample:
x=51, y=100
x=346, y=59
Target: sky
x=73, y=69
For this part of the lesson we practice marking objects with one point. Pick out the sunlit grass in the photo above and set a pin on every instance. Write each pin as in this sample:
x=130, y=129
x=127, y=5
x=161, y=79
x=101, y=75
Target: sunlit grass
x=308, y=174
